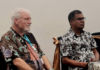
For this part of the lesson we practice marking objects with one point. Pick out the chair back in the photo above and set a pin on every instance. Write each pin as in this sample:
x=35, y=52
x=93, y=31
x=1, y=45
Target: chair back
x=97, y=39
x=57, y=56
x=3, y=65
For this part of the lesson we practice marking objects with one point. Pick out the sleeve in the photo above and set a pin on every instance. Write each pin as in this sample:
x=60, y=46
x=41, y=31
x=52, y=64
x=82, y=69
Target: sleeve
x=65, y=48
x=9, y=49
x=93, y=43
x=33, y=40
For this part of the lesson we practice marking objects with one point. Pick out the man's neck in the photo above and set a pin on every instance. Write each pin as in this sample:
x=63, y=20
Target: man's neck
x=21, y=33
x=77, y=31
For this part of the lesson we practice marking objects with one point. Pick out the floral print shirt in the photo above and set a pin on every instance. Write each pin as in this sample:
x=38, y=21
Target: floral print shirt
x=14, y=46
x=78, y=48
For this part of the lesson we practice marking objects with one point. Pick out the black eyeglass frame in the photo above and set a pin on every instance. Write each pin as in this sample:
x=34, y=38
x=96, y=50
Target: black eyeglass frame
x=79, y=18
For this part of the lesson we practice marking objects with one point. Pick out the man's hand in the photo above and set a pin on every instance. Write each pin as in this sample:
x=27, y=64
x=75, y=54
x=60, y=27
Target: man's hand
x=84, y=64
x=94, y=59
x=46, y=63
x=96, y=54
x=66, y=60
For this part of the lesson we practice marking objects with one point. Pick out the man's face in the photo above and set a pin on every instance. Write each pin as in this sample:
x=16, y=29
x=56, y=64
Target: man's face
x=24, y=22
x=78, y=22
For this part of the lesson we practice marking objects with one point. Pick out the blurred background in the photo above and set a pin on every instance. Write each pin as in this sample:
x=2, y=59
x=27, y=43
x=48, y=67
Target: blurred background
x=50, y=18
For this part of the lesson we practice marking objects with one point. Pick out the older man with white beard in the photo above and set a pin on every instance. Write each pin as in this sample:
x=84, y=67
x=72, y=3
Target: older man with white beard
x=20, y=48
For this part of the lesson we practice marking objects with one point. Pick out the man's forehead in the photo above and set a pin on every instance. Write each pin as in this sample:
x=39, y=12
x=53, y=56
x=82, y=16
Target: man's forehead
x=24, y=14
x=79, y=15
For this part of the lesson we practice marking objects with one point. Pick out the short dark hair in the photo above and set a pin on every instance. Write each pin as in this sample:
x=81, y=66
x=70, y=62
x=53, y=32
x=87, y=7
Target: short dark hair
x=72, y=14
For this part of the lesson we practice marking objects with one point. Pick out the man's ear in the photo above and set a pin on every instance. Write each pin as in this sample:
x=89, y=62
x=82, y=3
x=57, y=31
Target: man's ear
x=16, y=21
x=71, y=22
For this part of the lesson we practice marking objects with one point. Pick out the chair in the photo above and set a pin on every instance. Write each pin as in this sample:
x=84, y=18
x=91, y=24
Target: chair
x=3, y=65
x=96, y=36
x=57, y=59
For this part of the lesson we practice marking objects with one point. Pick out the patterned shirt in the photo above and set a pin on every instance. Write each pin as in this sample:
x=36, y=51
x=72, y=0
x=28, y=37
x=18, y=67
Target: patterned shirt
x=14, y=46
x=78, y=48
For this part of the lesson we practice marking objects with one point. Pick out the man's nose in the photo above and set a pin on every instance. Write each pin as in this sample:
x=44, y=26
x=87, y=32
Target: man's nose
x=29, y=22
x=82, y=20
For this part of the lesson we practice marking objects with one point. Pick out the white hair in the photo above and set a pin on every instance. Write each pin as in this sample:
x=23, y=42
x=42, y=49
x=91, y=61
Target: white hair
x=16, y=13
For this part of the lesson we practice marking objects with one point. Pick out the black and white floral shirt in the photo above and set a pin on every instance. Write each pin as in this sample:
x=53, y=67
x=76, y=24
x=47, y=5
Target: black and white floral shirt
x=78, y=48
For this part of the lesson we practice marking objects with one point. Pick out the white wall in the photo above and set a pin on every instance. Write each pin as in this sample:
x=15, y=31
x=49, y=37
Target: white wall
x=49, y=18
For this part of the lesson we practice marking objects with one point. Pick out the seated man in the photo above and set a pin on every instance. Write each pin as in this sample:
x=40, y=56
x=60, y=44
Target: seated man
x=20, y=48
x=77, y=47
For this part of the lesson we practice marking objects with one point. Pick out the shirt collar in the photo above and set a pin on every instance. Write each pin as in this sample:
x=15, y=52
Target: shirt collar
x=11, y=29
x=72, y=33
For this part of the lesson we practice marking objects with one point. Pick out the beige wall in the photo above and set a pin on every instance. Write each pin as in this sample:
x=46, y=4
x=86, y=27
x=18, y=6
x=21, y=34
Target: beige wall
x=49, y=18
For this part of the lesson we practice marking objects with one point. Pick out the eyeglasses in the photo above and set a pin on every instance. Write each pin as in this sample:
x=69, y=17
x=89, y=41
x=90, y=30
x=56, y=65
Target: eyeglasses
x=83, y=18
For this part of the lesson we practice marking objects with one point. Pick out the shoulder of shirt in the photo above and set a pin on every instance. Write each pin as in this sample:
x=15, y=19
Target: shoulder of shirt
x=29, y=33
x=63, y=36
x=67, y=35
x=7, y=34
x=87, y=33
